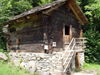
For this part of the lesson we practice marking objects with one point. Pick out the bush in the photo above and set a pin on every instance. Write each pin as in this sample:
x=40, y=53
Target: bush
x=92, y=50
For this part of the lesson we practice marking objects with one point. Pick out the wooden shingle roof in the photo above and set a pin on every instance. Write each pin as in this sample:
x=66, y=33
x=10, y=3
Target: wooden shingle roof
x=74, y=6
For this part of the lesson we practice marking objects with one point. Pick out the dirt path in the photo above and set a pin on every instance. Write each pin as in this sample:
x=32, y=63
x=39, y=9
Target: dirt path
x=86, y=72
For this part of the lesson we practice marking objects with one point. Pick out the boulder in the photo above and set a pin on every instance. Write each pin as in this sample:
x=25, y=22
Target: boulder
x=23, y=65
x=31, y=67
x=3, y=56
x=16, y=62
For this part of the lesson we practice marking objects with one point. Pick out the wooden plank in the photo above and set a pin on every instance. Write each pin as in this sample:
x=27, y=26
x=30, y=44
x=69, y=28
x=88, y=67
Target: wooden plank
x=70, y=32
x=79, y=38
x=81, y=42
x=79, y=51
x=52, y=8
x=78, y=12
x=81, y=33
x=63, y=35
x=75, y=13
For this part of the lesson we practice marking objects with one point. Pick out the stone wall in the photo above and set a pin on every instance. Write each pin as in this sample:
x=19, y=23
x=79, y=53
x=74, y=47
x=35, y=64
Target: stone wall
x=44, y=62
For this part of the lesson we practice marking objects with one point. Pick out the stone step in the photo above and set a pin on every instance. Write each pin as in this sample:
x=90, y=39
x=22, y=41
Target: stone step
x=65, y=56
x=43, y=73
x=65, y=60
x=59, y=64
x=57, y=72
x=59, y=67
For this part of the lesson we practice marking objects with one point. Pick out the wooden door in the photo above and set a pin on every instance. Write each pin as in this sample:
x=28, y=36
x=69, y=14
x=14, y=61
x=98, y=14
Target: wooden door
x=67, y=33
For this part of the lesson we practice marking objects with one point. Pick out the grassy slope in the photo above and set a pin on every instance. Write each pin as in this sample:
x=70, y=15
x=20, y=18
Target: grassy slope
x=91, y=66
x=6, y=69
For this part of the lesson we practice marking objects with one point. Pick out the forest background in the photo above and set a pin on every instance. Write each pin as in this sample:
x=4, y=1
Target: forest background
x=91, y=8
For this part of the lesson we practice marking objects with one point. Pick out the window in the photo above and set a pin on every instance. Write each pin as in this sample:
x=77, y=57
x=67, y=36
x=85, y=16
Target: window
x=66, y=30
x=13, y=30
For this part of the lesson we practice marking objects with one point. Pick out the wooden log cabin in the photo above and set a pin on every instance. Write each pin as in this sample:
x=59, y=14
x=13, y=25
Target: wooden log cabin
x=45, y=28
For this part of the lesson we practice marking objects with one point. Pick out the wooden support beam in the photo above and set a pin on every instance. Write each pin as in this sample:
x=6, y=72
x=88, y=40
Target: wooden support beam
x=70, y=32
x=63, y=35
x=79, y=51
x=81, y=33
x=75, y=13
x=78, y=61
x=52, y=8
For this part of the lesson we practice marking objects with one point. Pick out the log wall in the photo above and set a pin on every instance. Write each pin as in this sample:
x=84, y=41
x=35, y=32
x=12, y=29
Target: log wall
x=30, y=35
x=44, y=29
x=63, y=15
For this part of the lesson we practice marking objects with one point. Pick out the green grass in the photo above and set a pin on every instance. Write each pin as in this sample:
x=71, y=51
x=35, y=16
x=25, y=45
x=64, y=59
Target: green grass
x=7, y=69
x=91, y=66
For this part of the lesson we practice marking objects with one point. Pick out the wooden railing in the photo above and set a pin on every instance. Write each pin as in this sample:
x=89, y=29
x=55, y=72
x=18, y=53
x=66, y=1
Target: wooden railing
x=72, y=46
x=72, y=51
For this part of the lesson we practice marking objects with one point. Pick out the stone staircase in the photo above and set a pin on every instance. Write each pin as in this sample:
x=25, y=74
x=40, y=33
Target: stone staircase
x=60, y=66
x=64, y=64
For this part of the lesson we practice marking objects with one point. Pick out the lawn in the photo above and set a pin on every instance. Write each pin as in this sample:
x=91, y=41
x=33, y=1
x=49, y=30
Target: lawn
x=92, y=67
x=7, y=69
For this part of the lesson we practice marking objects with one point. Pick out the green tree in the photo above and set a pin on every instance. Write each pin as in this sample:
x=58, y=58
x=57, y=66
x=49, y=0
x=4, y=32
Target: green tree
x=45, y=1
x=91, y=30
x=8, y=9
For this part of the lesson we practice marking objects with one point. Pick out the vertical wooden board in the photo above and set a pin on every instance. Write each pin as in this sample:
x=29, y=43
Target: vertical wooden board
x=78, y=61
x=70, y=32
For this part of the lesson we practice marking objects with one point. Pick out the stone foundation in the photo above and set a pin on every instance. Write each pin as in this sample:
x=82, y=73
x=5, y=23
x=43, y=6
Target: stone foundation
x=44, y=62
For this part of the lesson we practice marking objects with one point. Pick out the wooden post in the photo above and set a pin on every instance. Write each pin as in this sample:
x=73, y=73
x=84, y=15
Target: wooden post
x=63, y=35
x=70, y=32
x=62, y=66
x=78, y=62
x=81, y=33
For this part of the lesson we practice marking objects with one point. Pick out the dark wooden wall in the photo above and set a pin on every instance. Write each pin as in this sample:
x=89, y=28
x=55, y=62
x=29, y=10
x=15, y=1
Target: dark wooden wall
x=30, y=35
x=44, y=30
x=60, y=16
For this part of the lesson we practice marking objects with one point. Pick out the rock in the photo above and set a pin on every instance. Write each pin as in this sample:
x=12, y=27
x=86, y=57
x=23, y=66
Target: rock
x=42, y=55
x=33, y=58
x=16, y=62
x=3, y=56
x=38, y=58
x=54, y=53
x=23, y=65
x=31, y=67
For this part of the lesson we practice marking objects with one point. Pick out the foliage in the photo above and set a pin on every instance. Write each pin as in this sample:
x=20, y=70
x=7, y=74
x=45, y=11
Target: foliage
x=45, y=1
x=92, y=50
x=10, y=8
x=2, y=40
x=91, y=30
x=35, y=3
x=7, y=69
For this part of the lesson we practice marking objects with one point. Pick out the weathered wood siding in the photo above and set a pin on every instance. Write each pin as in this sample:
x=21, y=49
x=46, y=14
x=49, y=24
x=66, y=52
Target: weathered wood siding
x=44, y=29
x=30, y=34
x=63, y=15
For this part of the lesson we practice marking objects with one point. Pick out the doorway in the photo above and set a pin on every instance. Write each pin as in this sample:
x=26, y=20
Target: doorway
x=67, y=33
